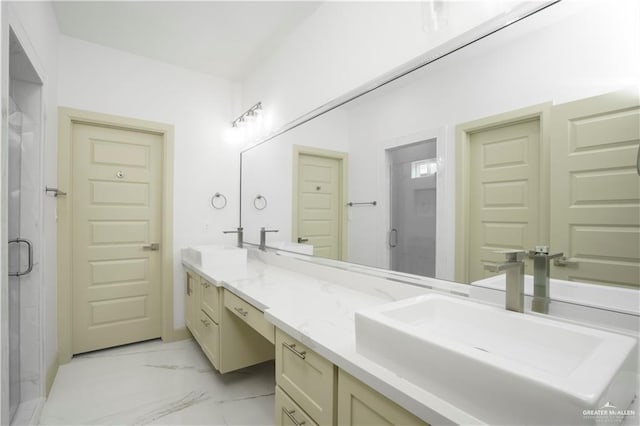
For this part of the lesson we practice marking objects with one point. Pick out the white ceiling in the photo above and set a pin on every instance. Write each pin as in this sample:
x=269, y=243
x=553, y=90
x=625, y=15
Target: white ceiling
x=224, y=38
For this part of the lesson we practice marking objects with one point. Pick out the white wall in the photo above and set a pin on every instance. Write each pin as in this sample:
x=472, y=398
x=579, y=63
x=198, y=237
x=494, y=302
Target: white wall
x=104, y=80
x=36, y=27
x=346, y=44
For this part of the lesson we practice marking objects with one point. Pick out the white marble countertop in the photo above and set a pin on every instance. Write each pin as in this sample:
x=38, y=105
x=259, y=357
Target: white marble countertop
x=320, y=313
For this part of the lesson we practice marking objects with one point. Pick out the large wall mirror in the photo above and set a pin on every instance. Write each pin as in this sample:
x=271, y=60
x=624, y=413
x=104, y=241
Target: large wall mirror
x=527, y=136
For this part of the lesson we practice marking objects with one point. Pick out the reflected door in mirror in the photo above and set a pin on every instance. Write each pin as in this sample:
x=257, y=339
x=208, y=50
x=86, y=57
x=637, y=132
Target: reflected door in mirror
x=318, y=204
x=412, y=239
x=595, y=210
x=504, y=193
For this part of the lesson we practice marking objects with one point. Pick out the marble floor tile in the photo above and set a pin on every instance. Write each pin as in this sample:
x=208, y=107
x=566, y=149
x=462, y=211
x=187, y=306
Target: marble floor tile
x=26, y=412
x=158, y=383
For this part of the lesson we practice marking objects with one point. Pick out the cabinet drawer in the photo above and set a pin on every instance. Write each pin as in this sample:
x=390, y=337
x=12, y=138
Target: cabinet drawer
x=306, y=377
x=288, y=413
x=209, y=338
x=210, y=299
x=249, y=314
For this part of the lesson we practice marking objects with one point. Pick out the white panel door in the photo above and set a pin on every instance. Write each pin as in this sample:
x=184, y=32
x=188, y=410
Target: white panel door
x=504, y=193
x=319, y=210
x=595, y=205
x=117, y=181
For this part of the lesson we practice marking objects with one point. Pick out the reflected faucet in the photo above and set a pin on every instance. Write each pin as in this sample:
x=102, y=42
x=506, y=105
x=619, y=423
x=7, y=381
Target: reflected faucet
x=514, y=267
x=541, y=259
x=263, y=237
x=237, y=231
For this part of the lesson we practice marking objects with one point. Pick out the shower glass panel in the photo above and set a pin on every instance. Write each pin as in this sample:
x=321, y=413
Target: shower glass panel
x=24, y=206
x=24, y=200
x=412, y=239
x=13, y=182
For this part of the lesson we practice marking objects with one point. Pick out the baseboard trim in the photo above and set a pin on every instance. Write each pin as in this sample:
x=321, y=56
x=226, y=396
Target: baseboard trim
x=176, y=335
x=52, y=371
x=37, y=412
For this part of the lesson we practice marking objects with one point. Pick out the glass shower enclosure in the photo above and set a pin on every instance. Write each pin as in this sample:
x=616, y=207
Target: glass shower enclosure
x=24, y=210
x=412, y=238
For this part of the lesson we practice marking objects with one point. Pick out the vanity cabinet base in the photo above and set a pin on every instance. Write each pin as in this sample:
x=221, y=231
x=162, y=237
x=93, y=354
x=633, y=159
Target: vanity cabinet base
x=228, y=340
x=359, y=405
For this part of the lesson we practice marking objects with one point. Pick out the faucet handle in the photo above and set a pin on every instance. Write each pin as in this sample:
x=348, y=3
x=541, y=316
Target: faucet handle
x=237, y=231
x=543, y=251
x=513, y=255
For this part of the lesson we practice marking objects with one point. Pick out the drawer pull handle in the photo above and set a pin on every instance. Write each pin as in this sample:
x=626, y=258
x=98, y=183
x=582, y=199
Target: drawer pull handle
x=293, y=349
x=241, y=311
x=205, y=322
x=293, y=419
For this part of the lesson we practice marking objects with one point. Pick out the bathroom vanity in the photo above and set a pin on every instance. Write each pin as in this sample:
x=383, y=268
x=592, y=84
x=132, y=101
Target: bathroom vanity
x=233, y=333
x=309, y=317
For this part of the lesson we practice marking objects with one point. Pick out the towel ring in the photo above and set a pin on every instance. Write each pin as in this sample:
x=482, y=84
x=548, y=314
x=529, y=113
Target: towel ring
x=220, y=204
x=260, y=202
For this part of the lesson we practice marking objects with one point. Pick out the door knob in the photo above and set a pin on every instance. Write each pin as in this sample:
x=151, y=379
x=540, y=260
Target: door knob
x=152, y=247
x=302, y=240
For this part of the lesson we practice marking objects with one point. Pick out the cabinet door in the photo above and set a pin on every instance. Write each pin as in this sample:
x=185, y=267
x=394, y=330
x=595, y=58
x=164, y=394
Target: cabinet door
x=191, y=307
x=210, y=300
x=210, y=339
x=288, y=413
x=358, y=404
x=307, y=377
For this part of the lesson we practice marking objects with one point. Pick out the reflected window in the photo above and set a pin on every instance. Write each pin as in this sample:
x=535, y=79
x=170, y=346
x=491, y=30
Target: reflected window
x=424, y=168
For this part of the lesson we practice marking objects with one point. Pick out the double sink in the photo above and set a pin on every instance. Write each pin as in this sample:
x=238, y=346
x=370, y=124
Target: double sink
x=499, y=366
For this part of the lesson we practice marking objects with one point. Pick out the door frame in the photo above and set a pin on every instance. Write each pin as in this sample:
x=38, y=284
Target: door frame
x=343, y=159
x=463, y=162
x=67, y=117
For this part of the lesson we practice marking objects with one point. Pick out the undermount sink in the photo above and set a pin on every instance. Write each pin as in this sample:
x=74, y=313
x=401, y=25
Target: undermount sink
x=501, y=367
x=215, y=256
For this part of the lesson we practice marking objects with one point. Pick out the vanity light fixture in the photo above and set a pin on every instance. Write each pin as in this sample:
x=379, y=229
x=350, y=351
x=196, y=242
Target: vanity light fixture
x=249, y=115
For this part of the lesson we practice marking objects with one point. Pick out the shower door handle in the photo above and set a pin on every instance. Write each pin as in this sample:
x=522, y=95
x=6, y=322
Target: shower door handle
x=30, y=251
x=393, y=238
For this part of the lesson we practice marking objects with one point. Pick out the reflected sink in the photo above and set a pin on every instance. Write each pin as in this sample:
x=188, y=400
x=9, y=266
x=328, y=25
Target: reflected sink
x=215, y=256
x=287, y=246
x=501, y=367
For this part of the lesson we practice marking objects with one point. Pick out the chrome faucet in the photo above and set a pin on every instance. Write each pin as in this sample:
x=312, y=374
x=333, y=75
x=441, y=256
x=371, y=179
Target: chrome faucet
x=514, y=267
x=237, y=231
x=263, y=237
x=541, y=259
